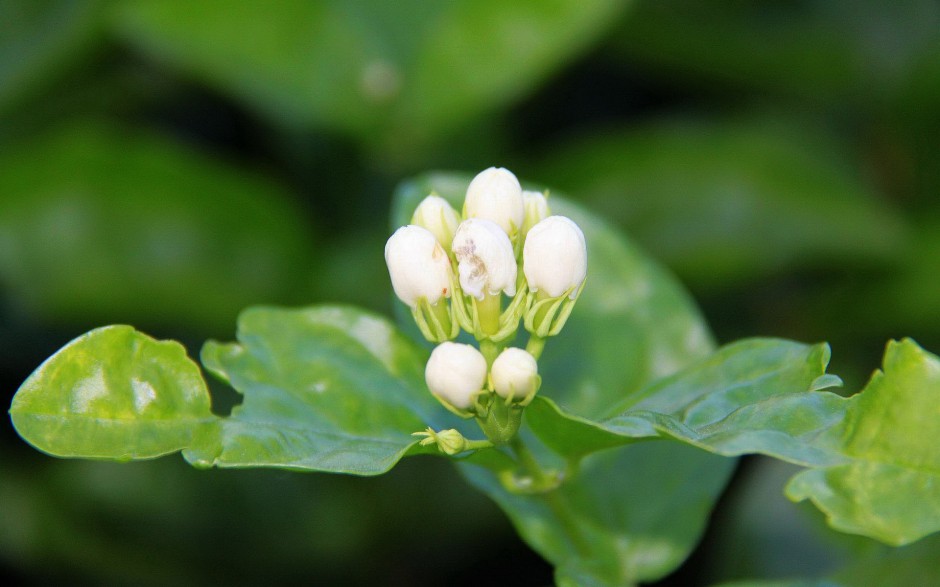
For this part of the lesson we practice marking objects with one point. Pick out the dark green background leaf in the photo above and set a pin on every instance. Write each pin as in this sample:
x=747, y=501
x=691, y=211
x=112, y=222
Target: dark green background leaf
x=396, y=74
x=726, y=202
x=103, y=225
x=39, y=39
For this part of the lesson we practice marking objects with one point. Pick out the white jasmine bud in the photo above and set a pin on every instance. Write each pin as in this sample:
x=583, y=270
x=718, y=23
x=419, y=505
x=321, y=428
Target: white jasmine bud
x=436, y=214
x=554, y=257
x=486, y=263
x=418, y=266
x=515, y=373
x=495, y=194
x=455, y=373
x=536, y=209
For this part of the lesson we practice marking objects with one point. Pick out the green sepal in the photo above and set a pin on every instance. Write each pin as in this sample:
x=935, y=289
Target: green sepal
x=547, y=316
x=508, y=318
x=499, y=418
x=428, y=318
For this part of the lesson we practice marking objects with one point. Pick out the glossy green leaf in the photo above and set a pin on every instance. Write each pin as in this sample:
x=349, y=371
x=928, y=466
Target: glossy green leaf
x=750, y=396
x=392, y=73
x=890, y=489
x=722, y=203
x=99, y=225
x=873, y=465
x=325, y=389
x=113, y=393
x=633, y=324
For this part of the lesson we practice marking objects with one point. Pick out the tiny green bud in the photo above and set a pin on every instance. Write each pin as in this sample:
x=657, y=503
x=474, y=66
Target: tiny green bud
x=451, y=442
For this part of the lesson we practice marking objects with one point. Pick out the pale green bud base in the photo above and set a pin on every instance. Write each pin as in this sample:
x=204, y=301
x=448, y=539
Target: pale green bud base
x=545, y=316
x=436, y=322
x=499, y=418
x=512, y=398
x=485, y=319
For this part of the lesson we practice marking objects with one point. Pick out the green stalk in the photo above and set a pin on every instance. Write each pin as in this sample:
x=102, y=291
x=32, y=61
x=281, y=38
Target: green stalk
x=552, y=498
x=535, y=346
x=489, y=309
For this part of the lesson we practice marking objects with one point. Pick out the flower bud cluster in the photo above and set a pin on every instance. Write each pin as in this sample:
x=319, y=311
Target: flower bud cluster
x=501, y=261
x=457, y=375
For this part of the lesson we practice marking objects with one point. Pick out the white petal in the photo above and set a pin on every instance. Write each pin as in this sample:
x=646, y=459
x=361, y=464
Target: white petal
x=455, y=372
x=495, y=195
x=436, y=214
x=515, y=371
x=486, y=263
x=554, y=256
x=418, y=266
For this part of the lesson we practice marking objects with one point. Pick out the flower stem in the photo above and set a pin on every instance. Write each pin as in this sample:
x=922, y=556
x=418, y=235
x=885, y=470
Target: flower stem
x=553, y=499
x=535, y=346
x=489, y=308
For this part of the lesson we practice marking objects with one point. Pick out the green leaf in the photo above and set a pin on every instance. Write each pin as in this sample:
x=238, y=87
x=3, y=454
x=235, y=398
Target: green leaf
x=891, y=488
x=748, y=397
x=722, y=203
x=102, y=225
x=873, y=464
x=326, y=389
x=113, y=393
x=633, y=324
x=395, y=74
x=629, y=515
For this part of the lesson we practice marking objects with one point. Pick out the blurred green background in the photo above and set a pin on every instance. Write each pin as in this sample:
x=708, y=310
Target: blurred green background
x=167, y=163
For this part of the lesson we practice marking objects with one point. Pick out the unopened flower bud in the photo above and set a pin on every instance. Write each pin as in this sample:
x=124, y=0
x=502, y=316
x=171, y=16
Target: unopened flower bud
x=486, y=262
x=436, y=214
x=515, y=373
x=554, y=256
x=455, y=373
x=536, y=209
x=418, y=266
x=495, y=194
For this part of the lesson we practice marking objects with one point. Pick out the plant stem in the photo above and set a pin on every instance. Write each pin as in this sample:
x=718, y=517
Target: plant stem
x=535, y=346
x=490, y=351
x=489, y=309
x=478, y=444
x=553, y=499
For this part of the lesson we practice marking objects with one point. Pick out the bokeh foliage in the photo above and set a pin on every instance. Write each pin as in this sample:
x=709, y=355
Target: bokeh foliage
x=165, y=164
